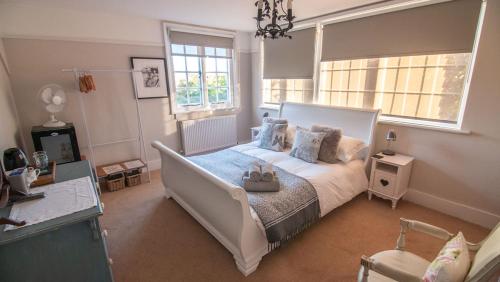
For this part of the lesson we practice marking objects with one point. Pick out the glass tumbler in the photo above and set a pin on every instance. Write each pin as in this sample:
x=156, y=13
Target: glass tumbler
x=41, y=160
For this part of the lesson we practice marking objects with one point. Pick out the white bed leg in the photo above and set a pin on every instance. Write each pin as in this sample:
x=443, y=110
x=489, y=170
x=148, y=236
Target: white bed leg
x=247, y=267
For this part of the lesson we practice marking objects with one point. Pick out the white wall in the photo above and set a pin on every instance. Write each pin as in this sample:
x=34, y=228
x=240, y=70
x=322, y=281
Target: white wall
x=41, y=41
x=50, y=23
x=454, y=173
x=9, y=130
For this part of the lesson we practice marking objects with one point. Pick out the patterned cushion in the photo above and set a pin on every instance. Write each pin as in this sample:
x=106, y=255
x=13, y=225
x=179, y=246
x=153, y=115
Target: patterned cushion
x=306, y=145
x=452, y=263
x=330, y=144
x=272, y=136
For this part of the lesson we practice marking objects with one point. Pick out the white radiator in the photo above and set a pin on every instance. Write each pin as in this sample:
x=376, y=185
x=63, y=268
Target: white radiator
x=202, y=135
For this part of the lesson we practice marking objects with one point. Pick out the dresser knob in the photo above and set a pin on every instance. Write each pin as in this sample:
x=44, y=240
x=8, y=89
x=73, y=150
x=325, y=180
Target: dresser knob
x=384, y=182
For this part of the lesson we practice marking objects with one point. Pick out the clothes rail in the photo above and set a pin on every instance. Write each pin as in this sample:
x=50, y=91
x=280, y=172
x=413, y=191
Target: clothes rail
x=142, y=146
x=99, y=70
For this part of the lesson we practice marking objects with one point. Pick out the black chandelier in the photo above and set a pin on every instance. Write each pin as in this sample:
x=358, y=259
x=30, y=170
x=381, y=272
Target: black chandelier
x=280, y=21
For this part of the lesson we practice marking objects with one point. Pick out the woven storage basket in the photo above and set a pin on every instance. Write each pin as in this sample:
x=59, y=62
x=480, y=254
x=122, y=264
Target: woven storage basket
x=115, y=182
x=133, y=177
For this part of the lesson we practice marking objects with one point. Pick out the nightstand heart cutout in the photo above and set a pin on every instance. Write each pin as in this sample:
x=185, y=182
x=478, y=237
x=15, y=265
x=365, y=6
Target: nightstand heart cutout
x=384, y=182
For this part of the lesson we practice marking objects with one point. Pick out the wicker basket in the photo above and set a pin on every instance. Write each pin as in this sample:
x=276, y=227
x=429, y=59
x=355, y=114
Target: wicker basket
x=115, y=182
x=133, y=177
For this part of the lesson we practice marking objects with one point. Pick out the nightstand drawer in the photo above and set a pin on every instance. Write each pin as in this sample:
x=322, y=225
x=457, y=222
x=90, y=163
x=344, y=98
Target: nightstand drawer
x=384, y=182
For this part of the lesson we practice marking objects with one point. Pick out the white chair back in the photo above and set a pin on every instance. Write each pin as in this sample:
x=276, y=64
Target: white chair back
x=487, y=259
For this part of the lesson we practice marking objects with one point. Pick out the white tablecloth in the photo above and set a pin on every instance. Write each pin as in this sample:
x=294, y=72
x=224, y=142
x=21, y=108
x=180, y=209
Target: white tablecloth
x=61, y=199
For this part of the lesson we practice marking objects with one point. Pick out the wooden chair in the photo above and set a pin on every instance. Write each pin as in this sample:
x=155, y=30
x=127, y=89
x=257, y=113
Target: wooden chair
x=400, y=265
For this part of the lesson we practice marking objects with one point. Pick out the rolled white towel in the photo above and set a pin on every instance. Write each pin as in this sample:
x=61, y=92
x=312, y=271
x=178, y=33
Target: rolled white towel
x=254, y=172
x=267, y=173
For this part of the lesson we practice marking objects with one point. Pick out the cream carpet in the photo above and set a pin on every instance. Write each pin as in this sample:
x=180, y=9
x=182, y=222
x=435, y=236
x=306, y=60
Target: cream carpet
x=154, y=239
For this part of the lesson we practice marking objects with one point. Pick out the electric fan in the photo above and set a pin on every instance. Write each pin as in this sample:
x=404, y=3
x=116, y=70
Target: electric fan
x=53, y=98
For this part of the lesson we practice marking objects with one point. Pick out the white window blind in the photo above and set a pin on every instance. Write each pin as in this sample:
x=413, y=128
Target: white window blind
x=290, y=58
x=442, y=28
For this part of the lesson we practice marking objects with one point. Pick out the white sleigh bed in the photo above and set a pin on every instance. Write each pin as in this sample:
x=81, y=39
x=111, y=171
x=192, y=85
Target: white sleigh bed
x=223, y=209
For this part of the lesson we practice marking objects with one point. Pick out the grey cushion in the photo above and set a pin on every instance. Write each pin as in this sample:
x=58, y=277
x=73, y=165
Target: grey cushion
x=306, y=145
x=274, y=120
x=272, y=136
x=290, y=135
x=330, y=144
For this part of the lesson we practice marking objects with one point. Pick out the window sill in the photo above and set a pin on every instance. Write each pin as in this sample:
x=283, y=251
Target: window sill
x=201, y=110
x=270, y=107
x=389, y=121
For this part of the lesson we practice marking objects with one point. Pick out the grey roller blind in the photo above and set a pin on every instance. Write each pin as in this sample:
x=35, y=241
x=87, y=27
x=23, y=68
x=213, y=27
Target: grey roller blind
x=447, y=27
x=186, y=38
x=290, y=58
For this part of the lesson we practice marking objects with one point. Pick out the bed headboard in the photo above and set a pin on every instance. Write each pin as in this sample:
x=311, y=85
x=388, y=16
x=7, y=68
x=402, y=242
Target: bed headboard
x=358, y=123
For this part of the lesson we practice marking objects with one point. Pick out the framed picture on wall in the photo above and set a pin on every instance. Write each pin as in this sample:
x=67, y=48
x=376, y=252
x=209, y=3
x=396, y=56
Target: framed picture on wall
x=150, y=77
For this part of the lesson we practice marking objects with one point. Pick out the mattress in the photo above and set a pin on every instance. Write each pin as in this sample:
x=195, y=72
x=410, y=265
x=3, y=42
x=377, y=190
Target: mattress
x=335, y=183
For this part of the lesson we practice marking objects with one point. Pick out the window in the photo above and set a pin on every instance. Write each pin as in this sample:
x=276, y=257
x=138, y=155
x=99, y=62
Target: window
x=427, y=87
x=414, y=71
x=276, y=91
x=202, y=76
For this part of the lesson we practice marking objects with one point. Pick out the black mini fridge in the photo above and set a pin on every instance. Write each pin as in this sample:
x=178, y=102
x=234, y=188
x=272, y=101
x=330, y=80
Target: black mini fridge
x=60, y=143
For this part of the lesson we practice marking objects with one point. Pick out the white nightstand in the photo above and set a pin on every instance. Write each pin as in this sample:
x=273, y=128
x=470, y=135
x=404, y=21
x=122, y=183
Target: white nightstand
x=255, y=132
x=390, y=176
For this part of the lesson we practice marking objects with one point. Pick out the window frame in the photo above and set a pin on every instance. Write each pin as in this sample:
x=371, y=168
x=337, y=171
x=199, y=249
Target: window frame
x=203, y=73
x=233, y=80
x=371, y=73
x=284, y=91
x=411, y=122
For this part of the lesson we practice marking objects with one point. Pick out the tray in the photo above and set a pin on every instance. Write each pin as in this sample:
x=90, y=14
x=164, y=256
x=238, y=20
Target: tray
x=48, y=178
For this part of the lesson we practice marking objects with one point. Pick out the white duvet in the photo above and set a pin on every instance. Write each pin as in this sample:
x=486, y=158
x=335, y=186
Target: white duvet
x=335, y=184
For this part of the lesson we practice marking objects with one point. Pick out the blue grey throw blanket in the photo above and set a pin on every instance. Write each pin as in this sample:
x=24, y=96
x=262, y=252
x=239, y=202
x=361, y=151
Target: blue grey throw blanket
x=284, y=214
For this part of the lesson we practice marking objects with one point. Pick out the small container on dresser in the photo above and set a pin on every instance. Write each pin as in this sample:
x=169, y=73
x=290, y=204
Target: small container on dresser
x=390, y=176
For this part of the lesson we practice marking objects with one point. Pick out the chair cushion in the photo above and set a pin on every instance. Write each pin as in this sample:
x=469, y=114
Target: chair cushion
x=401, y=260
x=452, y=262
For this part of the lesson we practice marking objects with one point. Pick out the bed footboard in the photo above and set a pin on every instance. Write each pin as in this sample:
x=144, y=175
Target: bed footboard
x=221, y=207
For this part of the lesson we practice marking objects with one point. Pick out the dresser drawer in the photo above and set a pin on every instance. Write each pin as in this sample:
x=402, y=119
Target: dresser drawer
x=384, y=182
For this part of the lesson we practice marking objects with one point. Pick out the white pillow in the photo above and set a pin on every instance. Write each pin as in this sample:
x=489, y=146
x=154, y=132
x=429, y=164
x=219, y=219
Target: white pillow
x=452, y=262
x=351, y=149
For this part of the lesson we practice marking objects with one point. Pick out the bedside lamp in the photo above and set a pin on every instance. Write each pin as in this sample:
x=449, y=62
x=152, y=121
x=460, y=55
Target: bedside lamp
x=390, y=137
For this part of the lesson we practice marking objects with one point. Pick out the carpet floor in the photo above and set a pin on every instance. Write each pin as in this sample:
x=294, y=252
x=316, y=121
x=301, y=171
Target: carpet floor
x=154, y=239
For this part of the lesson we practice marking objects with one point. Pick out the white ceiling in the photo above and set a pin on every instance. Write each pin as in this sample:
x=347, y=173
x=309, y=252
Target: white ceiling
x=230, y=14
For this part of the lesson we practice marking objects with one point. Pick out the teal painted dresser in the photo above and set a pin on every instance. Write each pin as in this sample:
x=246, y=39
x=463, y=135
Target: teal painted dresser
x=68, y=248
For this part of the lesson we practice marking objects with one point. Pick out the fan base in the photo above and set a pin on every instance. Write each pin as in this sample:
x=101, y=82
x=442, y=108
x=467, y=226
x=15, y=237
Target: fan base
x=54, y=123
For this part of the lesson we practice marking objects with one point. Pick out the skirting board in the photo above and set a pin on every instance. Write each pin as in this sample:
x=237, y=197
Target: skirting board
x=467, y=213
x=154, y=164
